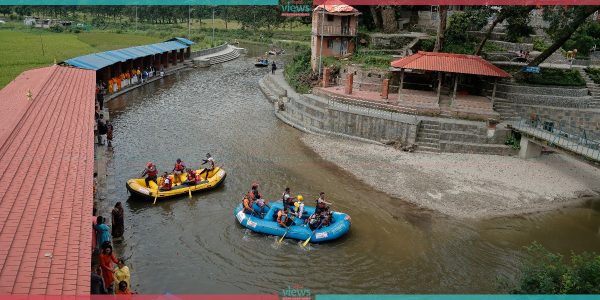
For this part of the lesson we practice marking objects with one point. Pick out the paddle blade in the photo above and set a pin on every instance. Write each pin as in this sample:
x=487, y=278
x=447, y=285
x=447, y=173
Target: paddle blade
x=190, y=192
x=306, y=242
x=155, y=197
x=281, y=239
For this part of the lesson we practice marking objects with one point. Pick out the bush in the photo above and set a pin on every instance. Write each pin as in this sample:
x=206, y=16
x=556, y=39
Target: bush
x=427, y=45
x=545, y=272
x=56, y=28
x=539, y=45
x=594, y=73
x=558, y=77
x=298, y=73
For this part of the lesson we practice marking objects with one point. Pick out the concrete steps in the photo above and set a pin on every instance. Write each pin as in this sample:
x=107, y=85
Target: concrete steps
x=593, y=88
x=506, y=109
x=428, y=136
x=228, y=55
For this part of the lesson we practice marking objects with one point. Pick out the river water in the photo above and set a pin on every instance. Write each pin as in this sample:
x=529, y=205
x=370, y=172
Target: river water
x=196, y=246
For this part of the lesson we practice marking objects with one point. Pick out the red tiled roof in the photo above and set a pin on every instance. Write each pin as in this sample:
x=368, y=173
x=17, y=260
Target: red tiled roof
x=46, y=168
x=336, y=6
x=450, y=63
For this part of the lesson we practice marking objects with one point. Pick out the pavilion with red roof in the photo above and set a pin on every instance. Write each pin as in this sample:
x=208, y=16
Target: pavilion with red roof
x=46, y=181
x=453, y=66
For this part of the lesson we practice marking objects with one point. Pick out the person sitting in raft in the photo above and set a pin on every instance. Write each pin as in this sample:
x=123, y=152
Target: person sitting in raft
x=247, y=203
x=191, y=177
x=177, y=171
x=254, y=191
x=288, y=201
x=167, y=182
x=322, y=205
x=211, y=165
x=283, y=218
x=150, y=172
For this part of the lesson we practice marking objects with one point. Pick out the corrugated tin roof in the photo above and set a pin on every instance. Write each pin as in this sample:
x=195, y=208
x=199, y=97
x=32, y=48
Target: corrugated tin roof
x=45, y=232
x=97, y=61
x=450, y=63
x=182, y=40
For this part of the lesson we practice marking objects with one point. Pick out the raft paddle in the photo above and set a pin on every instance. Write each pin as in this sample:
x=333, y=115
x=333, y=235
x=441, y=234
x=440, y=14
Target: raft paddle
x=311, y=234
x=282, y=237
x=155, y=196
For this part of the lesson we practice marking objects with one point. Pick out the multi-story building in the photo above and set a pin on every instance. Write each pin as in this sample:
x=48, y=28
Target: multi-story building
x=333, y=27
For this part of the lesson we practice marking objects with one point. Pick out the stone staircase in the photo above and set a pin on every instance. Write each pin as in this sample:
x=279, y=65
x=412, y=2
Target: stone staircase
x=428, y=136
x=593, y=87
x=230, y=54
x=506, y=109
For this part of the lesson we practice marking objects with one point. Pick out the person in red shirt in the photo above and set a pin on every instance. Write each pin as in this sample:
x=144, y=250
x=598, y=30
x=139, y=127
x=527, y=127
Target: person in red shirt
x=107, y=261
x=167, y=183
x=151, y=173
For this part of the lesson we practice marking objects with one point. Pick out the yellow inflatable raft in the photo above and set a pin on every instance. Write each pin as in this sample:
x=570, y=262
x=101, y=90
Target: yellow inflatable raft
x=138, y=186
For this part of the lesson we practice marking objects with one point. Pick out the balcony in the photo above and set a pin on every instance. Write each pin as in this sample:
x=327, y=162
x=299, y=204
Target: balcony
x=330, y=30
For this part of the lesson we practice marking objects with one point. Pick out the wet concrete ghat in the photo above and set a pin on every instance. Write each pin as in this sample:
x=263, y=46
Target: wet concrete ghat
x=195, y=245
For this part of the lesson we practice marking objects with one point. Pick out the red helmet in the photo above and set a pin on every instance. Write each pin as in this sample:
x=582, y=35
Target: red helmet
x=149, y=164
x=255, y=185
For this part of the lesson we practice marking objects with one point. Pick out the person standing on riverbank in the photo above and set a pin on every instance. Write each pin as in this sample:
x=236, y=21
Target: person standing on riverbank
x=118, y=223
x=122, y=273
x=101, y=130
x=109, y=133
x=102, y=232
x=273, y=67
x=97, y=286
x=107, y=261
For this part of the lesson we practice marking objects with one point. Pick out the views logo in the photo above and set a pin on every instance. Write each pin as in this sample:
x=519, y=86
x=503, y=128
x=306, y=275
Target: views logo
x=296, y=292
x=296, y=8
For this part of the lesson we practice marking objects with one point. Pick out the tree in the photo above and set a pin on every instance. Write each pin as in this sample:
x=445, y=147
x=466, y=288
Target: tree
x=545, y=272
x=388, y=19
x=441, y=32
x=505, y=12
x=376, y=15
x=563, y=23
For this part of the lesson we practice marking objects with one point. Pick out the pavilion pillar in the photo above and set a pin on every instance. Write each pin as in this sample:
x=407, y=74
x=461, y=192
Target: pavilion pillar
x=349, y=82
x=454, y=92
x=401, y=85
x=326, y=74
x=439, y=87
x=181, y=56
x=494, y=91
x=385, y=89
x=188, y=52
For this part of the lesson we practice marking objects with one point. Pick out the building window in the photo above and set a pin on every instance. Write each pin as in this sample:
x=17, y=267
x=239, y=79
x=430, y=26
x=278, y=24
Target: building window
x=329, y=43
x=329, y=18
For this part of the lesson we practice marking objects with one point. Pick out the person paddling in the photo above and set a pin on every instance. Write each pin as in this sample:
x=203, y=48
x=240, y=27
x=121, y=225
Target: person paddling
x=150, y=172
x=288, y=201
x=322, y=205
x=167, y=183
x=247, y=203
x=191, y=177
x=177, y=171
x=283, y=219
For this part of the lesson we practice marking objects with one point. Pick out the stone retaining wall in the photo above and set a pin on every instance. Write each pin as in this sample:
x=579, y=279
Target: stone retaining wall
x=321, y=114
x=588, y=119
x=571, y=97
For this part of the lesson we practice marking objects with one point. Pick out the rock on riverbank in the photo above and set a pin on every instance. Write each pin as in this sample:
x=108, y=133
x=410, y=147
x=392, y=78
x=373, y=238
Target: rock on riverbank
x=464, y=185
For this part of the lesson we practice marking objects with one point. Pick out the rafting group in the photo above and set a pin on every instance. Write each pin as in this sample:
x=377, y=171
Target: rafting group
x=181, y=180
x=289, y=217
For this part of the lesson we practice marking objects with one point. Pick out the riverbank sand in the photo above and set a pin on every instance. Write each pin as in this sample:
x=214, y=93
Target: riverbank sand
x=464, y=185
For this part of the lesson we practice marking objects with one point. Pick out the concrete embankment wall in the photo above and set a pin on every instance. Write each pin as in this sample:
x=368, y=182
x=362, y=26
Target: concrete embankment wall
x=317, y=115
x=367, y=122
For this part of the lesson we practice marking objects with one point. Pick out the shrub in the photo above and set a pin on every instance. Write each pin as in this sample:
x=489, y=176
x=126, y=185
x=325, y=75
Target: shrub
x=539, y=44
x=594, y=73
x=56, y=28
x=545, y=272
x=298, y=73
x=427, y=45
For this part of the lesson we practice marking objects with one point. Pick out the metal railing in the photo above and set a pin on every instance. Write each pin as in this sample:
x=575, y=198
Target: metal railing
x=560, y=134
x=335, y=30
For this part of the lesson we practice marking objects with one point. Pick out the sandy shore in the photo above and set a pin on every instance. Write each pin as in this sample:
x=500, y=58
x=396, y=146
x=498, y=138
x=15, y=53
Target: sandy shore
x=464, y=185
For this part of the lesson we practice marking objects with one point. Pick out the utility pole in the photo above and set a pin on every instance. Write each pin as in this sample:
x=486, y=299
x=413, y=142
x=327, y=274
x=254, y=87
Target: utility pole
x=321, y=47
x=136, y=19
x=189, y=21
x=213, y=21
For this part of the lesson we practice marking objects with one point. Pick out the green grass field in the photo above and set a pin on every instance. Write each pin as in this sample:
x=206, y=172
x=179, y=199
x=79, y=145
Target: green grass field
x=24, y=48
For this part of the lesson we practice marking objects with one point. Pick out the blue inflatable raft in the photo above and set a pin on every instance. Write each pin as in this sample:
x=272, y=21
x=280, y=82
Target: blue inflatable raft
x=265, y=222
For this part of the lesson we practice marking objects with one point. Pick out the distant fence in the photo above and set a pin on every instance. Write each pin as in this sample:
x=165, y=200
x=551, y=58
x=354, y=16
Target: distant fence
x=209, y=51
